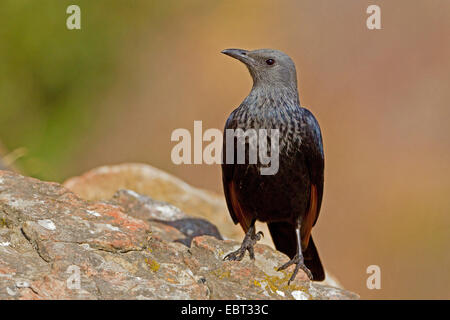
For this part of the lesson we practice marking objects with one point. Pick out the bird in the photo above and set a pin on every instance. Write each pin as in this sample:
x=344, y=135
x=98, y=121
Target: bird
x=289, y=201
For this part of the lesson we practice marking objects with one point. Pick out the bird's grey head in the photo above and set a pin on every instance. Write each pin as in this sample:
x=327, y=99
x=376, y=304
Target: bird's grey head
x=268, y=67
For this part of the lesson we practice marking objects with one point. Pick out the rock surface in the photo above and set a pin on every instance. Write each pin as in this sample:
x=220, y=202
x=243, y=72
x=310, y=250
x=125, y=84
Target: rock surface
x=103, y=182
x=55, y=245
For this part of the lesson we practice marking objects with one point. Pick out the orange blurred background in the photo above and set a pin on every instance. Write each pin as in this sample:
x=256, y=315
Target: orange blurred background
x=382, y=98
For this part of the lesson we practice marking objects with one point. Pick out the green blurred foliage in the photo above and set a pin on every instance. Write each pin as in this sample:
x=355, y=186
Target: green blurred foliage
x=50, y=76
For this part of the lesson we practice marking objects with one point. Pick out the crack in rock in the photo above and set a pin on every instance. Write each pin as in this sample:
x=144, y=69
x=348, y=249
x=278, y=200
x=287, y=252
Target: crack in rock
x=59, y=246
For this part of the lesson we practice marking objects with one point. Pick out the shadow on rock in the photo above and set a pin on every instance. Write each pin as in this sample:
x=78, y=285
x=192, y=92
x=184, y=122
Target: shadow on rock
x=191, y=228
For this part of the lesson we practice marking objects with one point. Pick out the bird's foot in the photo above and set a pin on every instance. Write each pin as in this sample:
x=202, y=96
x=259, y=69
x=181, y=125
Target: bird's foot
x=247, y=245
x=299, y=264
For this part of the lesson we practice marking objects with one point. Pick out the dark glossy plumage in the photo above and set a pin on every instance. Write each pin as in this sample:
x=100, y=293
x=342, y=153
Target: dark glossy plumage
x=292, y=197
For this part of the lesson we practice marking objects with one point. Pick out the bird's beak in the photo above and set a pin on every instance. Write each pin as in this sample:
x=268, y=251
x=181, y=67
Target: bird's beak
x=239, y=54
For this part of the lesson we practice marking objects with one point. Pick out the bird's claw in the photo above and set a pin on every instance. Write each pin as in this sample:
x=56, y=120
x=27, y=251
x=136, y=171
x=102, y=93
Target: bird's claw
x=235, y=255
x=247, y=245
x=299, y=264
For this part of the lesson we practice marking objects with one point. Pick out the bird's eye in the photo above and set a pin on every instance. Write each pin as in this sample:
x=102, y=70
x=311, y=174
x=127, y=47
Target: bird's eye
x=270, y=62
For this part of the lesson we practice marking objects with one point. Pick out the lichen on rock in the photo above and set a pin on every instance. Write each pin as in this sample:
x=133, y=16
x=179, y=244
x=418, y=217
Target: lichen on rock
x=56, y=245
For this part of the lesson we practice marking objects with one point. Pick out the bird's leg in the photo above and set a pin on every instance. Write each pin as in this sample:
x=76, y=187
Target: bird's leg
x=297, y=259
x=250, y=239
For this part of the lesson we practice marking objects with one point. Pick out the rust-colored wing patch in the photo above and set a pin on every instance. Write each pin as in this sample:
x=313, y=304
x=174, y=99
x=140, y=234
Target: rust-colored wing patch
x=243, y=218
x=310, y=218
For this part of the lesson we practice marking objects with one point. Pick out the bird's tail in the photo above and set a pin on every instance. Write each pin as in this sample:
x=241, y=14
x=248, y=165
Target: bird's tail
x=312, y=261
x=283, y=236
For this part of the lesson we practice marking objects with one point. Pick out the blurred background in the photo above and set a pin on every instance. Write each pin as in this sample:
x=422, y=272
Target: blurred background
x=115, y=90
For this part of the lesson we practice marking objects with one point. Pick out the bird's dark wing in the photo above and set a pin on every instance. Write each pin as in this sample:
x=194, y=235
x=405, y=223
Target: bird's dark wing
x=229, y=187
x=312, y=149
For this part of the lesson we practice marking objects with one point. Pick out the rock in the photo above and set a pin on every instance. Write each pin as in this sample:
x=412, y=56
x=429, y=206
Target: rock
x=55, y=245
x=103, y=182
x=145, y=208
